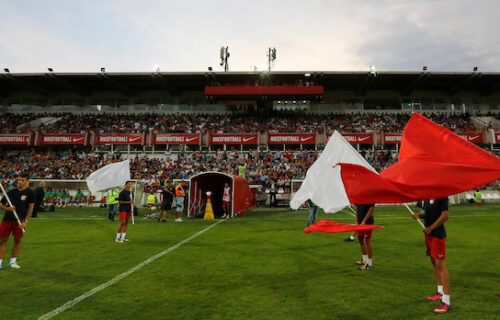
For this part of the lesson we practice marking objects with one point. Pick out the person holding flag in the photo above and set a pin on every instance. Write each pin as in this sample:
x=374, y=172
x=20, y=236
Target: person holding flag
x=125, y=207
x=112, y=202
x=16, y=216
x=435, y=215
x=364, y=215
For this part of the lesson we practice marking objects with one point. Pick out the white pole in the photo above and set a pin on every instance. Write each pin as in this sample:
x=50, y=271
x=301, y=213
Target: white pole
x=412, y=213
x=133, y=208
x=10, y=204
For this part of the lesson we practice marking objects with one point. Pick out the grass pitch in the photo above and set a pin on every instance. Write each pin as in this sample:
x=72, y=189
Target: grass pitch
x=261, y=266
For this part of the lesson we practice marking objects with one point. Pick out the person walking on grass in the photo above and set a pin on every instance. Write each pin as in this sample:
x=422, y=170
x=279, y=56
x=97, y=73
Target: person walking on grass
x=167, y=199
x=435, y=215
x=125, y=203
x=179, y=200
x=364, y=215
x=313, y=211
x=23, y=201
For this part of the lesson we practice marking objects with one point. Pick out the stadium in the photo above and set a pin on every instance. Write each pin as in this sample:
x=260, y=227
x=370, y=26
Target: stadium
x=265, y=193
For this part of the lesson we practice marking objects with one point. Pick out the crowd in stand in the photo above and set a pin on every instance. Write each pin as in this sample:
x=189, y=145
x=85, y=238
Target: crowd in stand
x=259, y=168
x=282, y=121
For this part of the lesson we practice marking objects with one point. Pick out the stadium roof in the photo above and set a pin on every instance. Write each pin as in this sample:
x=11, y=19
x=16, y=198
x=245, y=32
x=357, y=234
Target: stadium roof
x=84, y=84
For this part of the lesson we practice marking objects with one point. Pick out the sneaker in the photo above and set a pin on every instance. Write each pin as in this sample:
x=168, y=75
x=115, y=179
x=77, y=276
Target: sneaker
x=365, y=266
x=164, y=220
x=435, y=297
x=178, y=220
x=443, y=307
x=223, y=217
x=124, y=239
x=118, y=240
x=349, y=239
x=14, y=265
x=360, y=262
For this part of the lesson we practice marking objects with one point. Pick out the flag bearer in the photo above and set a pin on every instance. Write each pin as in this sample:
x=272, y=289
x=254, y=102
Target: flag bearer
x=435, y=215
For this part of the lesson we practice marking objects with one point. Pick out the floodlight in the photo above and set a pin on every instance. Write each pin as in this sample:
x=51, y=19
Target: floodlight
x=50, y=69
x=210, y=69
x=103, y=69
x=475, y=69
x=156, y=68
x=424, y=68
x=6, y=70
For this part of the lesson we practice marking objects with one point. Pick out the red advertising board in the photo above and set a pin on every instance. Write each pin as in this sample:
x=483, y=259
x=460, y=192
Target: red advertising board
x=14, y=139
x=120, y=139
x=64, y=139
x=291, y=139
x=472, y=137
x=263, y=90
x=497, y=137
x=356, y=138
x=177, y=139
x=392, y=138
x=233, y=139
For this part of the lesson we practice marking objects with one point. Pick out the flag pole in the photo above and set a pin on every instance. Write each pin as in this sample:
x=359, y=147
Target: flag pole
x=352, y=209
x=412, y=214
x=133, y=209
x=10, y=204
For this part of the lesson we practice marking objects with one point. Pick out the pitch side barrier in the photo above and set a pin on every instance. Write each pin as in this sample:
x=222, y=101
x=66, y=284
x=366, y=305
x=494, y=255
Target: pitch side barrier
x=90, y=199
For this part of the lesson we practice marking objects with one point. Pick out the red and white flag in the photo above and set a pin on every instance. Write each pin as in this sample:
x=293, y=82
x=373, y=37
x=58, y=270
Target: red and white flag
x=330, y=226
x=433, y=163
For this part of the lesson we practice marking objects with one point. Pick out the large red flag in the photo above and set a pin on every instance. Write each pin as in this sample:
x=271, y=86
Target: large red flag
x=433, y=163
x=330, y=226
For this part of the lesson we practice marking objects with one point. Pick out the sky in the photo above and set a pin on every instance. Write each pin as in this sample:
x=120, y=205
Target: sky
x=309, y=35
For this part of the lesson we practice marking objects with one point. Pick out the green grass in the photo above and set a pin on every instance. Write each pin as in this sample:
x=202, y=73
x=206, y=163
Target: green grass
x=261, y=266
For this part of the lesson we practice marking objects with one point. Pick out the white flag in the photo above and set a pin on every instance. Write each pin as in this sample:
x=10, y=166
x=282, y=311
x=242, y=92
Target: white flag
x=323, y=183
x=110, y=176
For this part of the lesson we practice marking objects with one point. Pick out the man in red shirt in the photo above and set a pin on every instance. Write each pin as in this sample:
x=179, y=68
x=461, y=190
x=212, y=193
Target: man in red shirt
x=23, y=201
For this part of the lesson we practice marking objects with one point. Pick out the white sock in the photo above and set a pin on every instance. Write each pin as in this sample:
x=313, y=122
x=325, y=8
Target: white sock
x=369, y=262
x=123, y=235
x=365, y=258
x=118, y=236
x=13, y=260
x=440, y=289
x=1, y=260
x=351, y=237
x=446, y=299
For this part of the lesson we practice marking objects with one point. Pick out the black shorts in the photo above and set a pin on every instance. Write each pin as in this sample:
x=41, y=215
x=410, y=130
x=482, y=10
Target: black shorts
x=166, y=205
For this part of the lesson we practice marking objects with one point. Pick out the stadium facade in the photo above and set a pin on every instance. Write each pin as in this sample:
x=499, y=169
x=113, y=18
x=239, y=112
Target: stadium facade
x=249, y=92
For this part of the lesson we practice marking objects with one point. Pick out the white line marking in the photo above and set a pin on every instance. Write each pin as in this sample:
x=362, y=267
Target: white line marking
x=73, y=302
x=381, y=217
x=348, y=218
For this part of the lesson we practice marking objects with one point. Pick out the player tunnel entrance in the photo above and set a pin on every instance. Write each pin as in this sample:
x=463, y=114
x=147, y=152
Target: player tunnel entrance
x=202, y=183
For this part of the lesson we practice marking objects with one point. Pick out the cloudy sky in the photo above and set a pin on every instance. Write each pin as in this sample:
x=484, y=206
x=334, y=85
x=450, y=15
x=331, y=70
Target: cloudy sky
x=126, y=35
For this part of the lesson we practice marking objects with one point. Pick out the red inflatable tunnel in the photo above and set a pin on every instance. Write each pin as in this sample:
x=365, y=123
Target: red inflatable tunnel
x=241, y=197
